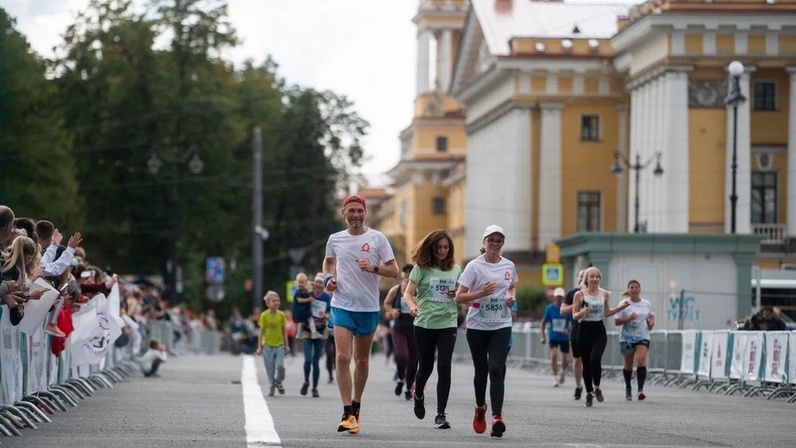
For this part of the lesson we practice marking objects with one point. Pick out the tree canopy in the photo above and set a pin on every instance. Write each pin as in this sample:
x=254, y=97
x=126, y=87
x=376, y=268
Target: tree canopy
x=77, y=133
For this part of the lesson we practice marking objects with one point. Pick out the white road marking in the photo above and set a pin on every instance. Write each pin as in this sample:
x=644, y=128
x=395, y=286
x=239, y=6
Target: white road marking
x=260, y=429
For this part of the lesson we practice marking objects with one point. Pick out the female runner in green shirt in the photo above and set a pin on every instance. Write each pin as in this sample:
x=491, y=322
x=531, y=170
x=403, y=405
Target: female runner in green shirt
x=433, y=280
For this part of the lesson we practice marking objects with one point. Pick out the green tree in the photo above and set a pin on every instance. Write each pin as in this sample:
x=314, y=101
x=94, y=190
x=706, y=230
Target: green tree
x=37, y=174
x=121, y=97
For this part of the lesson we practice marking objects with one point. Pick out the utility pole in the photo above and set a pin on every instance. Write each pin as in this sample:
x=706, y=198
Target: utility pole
x=259, y=234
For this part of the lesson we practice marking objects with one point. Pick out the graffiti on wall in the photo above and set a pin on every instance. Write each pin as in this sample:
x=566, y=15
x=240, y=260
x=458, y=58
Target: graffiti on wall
x=689, y=309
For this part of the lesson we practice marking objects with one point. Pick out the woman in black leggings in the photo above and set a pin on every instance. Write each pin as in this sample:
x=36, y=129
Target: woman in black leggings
x=487, y=286
x=591, y=306
x=433, y=280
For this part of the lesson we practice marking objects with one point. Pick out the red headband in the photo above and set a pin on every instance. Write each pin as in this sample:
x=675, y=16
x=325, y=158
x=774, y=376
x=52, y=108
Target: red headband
x=354, y=198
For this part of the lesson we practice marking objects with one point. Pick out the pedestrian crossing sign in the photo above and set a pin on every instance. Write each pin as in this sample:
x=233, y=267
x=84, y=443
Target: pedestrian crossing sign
x=552, y=274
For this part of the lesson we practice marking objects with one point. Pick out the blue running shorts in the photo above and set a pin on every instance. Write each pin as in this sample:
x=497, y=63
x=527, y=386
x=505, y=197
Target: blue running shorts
x=361, y=323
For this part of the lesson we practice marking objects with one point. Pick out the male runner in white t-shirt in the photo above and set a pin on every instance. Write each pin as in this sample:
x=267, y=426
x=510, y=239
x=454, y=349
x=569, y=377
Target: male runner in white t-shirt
x=356, y=259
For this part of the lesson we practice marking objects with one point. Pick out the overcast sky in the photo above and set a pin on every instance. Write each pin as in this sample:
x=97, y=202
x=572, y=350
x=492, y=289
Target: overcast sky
x=363, y=49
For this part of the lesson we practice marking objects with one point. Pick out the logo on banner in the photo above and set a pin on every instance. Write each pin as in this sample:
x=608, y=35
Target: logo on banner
x=775, y=358
x=752, y=353
x=99, y=344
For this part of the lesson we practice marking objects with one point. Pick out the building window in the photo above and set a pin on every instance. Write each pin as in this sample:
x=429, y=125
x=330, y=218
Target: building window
x=765, y=95
x=590, y=128
x=438, y=206
x=764, y=197
x=588, y=211
x=442, y=144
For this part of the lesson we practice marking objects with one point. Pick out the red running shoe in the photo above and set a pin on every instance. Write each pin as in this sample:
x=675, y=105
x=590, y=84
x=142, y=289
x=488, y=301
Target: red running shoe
x=498, y=426
x=641, y=396
x=479, y=420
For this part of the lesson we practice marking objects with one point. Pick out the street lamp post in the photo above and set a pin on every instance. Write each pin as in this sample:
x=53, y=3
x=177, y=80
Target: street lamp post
x=734, y=98
x=637, y=167
x=195, y=165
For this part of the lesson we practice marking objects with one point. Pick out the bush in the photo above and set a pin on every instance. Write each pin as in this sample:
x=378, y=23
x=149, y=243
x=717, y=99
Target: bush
x=532, y=300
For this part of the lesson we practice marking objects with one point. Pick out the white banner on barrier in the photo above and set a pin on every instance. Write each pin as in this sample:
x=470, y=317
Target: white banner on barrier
x=102, y=335
x=114, y=307
x=792, y=357
x=10, y=361
x=36, y=310
x=688, y=355
x=704, y=353
x=37, y=361
x=85, y=323
x=740, y=339
x=718, y=354
x=753, y=355
x=776, y=352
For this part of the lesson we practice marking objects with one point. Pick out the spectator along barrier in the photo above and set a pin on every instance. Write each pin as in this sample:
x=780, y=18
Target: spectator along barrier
x=755, y=363
x=41, y=374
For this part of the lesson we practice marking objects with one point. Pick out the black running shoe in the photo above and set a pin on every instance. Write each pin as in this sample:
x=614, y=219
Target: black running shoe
x=578, y=392
x=398, y=388
x=420, y=407
x=440, y=422
x=589, y=400
x=598, y=394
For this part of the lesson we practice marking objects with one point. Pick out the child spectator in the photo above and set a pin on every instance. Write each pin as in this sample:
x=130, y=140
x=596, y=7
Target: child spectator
x=302, y=309
x=272, y=342
x=153, y=358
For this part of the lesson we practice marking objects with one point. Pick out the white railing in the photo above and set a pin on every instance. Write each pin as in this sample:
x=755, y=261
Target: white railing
x=774, y=233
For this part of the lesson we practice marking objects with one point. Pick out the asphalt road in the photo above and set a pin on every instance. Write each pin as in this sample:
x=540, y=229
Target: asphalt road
x=198, y=401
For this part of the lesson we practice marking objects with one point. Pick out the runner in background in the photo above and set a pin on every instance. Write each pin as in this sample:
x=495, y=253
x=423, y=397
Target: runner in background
x=555, y=327
x=592, y=305
x=403, y=335
x=634, y=338
x=566, y=309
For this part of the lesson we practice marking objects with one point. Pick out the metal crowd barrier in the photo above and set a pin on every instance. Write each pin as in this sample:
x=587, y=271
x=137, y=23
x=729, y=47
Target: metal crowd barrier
x=754, y=363
x=34, y=383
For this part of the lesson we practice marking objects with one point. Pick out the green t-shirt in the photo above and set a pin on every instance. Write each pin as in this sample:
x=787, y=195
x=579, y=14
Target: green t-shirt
x=273, y=326
x=436, y=309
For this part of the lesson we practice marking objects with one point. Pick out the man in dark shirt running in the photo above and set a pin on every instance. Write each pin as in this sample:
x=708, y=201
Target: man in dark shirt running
x=577, y=365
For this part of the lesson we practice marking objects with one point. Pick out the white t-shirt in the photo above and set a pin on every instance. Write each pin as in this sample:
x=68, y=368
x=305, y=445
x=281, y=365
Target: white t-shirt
x=596, y=306
x=636, y=330
x=358, y=290
x=150, y=356
x=489, y=313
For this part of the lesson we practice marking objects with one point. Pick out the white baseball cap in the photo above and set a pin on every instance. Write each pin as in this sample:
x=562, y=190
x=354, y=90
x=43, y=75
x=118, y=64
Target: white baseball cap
x=559, y=292
x=493, y=229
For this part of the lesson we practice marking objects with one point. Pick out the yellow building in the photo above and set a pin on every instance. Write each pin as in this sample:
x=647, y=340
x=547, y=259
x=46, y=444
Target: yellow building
x=557, y=94
x=425, y=195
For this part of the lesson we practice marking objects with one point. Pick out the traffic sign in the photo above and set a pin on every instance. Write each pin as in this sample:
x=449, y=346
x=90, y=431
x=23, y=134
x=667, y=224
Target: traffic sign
x=552, y=274
x=215, y=270
x=552, y=253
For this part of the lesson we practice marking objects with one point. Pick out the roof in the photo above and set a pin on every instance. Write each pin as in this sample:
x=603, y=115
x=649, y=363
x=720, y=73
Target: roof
x=526, y=18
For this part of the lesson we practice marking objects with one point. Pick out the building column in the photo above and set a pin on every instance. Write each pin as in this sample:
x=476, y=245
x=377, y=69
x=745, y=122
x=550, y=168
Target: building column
x=674, y=161
x=621, y=179
x=499, y=187
x=636, y=133
x=791, y=190
x=423, y=61
x=743, y=183
x=550, y=179
x=444, y=59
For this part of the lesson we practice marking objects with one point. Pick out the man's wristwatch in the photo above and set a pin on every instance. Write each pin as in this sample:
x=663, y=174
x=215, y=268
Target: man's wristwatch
x=375, y=269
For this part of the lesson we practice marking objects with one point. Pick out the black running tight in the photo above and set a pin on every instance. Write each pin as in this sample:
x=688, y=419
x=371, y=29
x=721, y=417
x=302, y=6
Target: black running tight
x=442, y=342
x=489, y=349
x=592, y=340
